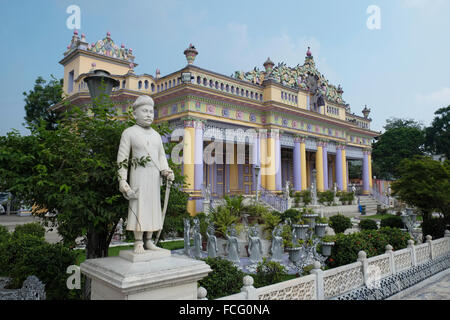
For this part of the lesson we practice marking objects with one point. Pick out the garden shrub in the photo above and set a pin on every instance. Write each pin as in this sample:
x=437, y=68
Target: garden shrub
x=270, y=222
x=255, y=210
x=393, y=222
x=4, y=234
x=435, y=227
x=373, y=242
x=368, y=224
x=223, y=218
x=224, y=280
x=269, y=272
x=25, y=254
x=340, y=223
x=292, y=214
x=326, y=197
x=306, y=196
x=33, y=228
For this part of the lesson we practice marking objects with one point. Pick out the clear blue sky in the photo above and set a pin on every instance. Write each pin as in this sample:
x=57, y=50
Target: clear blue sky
x=401, y=70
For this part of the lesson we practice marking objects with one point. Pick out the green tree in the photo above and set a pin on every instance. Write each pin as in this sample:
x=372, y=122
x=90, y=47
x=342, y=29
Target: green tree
x=402, y=139
x=72, y=171
x=37, y=101
x=437, y=136
x=425, y=184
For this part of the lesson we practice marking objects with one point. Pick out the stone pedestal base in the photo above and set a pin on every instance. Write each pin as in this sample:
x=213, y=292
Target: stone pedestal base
x=154, y=275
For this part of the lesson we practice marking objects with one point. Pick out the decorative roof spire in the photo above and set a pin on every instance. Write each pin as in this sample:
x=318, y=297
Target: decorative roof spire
x=366, y=111
x=308, y=53
x=158, y=73
x=268, y=65
x=190, y=54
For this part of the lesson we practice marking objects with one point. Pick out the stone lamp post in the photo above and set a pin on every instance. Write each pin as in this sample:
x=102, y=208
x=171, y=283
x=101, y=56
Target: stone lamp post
x=257, y=170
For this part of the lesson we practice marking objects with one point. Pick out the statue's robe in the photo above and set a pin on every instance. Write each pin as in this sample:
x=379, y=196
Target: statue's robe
x=144, y=213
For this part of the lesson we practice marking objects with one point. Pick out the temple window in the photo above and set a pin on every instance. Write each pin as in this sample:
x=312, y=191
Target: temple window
x=205, y=82
x=146, y=84
x=139, y=85
x=199, y=80
x=124, y=83
x=217, y=85
x=232, y=89
x=227, y=88
x=221, y=86
x=153, y=87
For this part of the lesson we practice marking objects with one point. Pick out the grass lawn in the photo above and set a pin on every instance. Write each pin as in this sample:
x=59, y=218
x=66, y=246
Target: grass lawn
x=114, y=251
x=383, y=216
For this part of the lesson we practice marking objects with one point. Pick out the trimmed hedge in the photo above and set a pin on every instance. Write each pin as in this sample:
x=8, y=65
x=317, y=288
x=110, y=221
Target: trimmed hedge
x=392, y=222
x=373, y=242
x=340, y=223
x=368, y=224
x=269, y=272
x=33, y=228
x=224, y=280
x=435, y=227
x=26, y=253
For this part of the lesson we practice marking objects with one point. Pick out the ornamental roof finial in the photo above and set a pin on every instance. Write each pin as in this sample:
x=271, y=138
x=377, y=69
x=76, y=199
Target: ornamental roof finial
x=308, y=53
x=190, y=54
x=268, y=65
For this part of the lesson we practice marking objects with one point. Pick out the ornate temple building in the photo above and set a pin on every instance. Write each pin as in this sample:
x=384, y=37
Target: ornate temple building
x=262, y=128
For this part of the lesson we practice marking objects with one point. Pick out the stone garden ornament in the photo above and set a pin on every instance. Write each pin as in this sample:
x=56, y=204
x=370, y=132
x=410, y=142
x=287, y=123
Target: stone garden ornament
x=211, y=245
x=142, y=187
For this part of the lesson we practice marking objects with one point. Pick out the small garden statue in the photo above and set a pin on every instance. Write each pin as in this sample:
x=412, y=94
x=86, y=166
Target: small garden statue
x=254, y=246
x=197, y=239
x=211, y=245
x=233, y=246
x=277, y=244
x=187, y=237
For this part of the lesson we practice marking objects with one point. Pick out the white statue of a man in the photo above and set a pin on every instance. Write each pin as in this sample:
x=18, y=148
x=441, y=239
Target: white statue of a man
x=142, y=189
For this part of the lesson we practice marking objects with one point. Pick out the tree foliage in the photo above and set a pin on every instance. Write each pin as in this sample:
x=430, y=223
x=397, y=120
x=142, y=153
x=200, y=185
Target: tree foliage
x=37, y=101
x=425, y=184
x=437, y=136
x=403, y=138
x=71, y=171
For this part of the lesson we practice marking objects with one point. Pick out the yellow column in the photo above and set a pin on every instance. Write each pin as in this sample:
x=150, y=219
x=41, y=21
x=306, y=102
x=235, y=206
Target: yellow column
x=303, y=163
x=188, y=162
x=269, y=162
x=370, y=170
x=344, y=170
x=319, y=167
x=262, y=156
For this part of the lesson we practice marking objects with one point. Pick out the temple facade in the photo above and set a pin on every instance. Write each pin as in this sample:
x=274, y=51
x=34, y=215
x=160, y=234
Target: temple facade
x=255, y=130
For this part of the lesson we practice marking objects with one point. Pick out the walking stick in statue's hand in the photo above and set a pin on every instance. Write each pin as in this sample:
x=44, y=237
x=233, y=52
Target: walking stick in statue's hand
x=166, y=201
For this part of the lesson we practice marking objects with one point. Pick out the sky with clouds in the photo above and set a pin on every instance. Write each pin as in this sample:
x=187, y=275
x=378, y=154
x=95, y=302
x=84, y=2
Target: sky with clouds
x=400, y=70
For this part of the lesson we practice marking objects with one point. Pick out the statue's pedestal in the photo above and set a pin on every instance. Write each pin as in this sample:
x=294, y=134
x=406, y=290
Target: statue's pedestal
x=153, y=275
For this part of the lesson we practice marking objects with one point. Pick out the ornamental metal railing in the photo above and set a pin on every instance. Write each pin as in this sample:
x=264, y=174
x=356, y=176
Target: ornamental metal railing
x=278, y=202
x=383, y=199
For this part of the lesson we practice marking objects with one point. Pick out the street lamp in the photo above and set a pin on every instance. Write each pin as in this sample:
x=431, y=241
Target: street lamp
x=257, y=170
x=100, y=81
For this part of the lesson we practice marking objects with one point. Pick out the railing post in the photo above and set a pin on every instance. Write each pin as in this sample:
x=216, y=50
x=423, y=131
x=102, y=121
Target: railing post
x=362, y=257
x=391, y=258
x=429, y=241
x=413, y=252
x=249, y=289
x=201, y=293
x=320, y=290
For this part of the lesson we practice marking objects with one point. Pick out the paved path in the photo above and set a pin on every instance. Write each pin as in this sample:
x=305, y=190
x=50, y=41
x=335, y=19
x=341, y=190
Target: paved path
x=435, y=288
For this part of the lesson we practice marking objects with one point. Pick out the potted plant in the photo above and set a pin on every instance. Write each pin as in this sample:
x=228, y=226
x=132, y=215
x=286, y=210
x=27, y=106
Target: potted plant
x=321, y=224
x=327, y=244
x=300, y=229
x=294, y=250
x=310, y=216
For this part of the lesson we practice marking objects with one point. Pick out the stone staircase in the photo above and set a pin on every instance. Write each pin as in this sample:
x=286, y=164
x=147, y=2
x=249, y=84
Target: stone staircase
x=370, y=203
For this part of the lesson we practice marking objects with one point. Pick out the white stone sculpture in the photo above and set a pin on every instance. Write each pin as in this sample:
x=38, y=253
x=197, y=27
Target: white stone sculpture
x=148, y=161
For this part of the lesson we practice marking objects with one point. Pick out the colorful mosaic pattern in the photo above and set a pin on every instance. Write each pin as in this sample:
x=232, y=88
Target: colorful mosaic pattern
x=294, y=78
